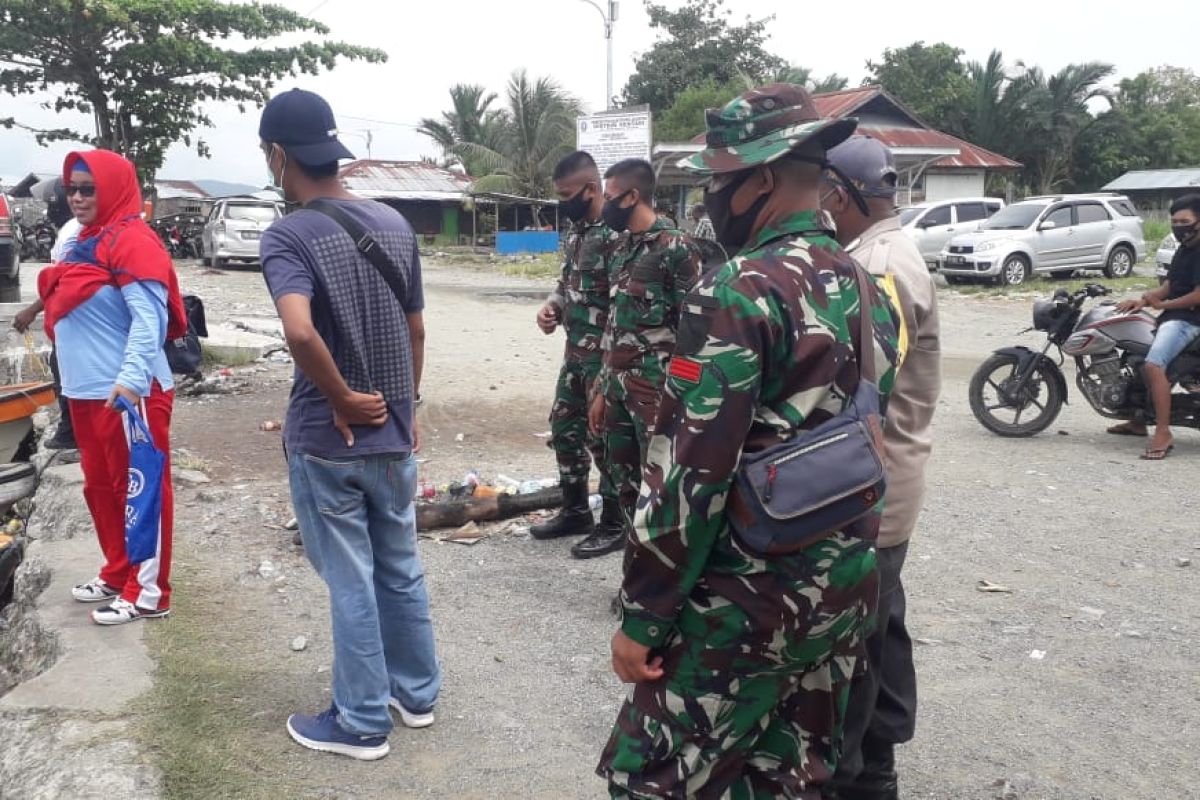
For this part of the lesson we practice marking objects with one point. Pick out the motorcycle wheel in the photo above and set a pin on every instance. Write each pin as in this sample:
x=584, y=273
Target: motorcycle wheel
x=1004, y=414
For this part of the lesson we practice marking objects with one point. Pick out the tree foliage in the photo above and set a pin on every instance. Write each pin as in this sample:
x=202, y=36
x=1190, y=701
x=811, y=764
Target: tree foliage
x=930, y=79
x=536, y=130
x=698, y=43
x=685, y=118
x=1154, y=123
x=471, y=119
x=145, y=68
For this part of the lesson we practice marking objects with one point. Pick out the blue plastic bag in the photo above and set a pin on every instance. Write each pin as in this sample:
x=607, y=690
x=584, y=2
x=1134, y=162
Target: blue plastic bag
x=143, y=498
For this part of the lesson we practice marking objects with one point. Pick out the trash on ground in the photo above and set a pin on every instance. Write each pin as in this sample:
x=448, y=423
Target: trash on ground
x=271, y=425
x=995, y=588
x=299, y=643
x=1037, y=655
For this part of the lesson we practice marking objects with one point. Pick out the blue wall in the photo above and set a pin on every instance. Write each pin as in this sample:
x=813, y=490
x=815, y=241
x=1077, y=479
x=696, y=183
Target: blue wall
x=509, y=242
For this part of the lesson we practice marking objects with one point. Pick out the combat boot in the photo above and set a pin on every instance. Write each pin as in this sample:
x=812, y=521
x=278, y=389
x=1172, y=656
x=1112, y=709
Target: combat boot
x=609, y=536
x=573, y=519
x=877, y=781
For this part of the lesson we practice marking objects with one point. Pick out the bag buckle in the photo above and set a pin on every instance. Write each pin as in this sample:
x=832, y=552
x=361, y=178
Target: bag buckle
x=366, y=244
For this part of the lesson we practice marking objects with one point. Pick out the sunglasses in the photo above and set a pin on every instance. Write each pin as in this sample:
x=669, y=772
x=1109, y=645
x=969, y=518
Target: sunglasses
x=84, y=190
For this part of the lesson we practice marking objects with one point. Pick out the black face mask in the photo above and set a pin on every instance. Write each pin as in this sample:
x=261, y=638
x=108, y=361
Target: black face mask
x=615, y=216
x=576, y=208
x=1182, y=232
x=732, y=232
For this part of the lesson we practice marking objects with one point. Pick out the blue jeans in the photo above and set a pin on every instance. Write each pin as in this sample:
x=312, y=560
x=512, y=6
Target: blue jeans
x=1171, y=339
x=360, y=533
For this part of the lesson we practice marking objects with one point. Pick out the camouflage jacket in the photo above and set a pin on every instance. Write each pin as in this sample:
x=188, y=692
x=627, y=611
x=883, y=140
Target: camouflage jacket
x=764, y=349
x=582, y=293
x=651, y=272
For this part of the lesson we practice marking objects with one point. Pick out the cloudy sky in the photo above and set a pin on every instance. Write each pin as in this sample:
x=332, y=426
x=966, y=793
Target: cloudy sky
x=433, y=45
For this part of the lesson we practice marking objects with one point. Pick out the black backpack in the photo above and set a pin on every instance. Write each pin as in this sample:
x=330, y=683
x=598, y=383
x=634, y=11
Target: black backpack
x=184, y=354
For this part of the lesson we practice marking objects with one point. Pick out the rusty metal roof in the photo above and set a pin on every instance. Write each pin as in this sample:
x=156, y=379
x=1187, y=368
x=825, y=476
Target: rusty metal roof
x=404, y=180
x=969, y=156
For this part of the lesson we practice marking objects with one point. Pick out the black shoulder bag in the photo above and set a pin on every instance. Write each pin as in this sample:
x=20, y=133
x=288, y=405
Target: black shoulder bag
x=366, y=244
x=796, y=493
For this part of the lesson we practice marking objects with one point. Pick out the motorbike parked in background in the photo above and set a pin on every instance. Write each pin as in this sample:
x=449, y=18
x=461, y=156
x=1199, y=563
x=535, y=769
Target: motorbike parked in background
x=1018, y=392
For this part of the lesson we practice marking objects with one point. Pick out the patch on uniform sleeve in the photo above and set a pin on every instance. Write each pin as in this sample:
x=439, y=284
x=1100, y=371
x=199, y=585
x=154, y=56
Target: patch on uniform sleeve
x=685, y=369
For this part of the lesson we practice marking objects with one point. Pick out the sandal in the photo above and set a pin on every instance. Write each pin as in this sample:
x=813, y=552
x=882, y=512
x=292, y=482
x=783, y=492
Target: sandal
x=1126, y=429
x=1157, y=453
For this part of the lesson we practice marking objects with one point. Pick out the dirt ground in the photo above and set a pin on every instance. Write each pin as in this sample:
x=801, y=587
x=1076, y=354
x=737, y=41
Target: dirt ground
x=1080, y=682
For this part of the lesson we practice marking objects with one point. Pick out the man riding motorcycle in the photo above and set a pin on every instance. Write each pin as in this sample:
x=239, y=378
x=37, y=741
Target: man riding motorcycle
x=1178, y=298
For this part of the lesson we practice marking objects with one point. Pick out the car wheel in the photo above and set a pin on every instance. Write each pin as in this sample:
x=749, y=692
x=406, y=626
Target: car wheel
x=1120, y=263
x=217, y=262
x=1015, y=271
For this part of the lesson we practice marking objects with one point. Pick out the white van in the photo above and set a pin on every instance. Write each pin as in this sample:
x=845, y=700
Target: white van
x=931, y=225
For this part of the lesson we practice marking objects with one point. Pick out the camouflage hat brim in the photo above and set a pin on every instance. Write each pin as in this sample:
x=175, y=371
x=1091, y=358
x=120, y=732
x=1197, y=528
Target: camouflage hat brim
x=772, y=147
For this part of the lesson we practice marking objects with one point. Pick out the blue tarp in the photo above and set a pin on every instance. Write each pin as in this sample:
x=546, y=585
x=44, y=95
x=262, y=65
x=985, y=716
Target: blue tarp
x=510, y=242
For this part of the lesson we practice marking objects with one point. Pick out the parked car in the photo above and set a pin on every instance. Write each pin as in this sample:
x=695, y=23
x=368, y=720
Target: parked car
x=234, y=229
x=1162, y=258
x=1049, y=235
x=11, y=243
x=931, y=225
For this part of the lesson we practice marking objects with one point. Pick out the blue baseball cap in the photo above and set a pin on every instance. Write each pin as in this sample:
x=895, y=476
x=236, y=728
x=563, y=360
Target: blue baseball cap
x=302, y=123
x=867, y=163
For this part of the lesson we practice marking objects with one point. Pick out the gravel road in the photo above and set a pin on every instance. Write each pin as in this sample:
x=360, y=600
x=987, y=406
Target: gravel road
x=1078, y=682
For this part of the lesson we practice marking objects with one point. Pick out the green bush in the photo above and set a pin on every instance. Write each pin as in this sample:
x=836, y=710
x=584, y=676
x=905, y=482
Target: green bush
x=1155, y=230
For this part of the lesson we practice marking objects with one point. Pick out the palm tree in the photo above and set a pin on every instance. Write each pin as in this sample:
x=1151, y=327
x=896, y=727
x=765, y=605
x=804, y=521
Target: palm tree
x=539, y=130
x=471, y=119
x=1033, y=117
x=803, y=76
x=1067, y=93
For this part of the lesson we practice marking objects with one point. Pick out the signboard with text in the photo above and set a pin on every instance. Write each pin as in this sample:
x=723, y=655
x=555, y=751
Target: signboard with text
x=612, y=136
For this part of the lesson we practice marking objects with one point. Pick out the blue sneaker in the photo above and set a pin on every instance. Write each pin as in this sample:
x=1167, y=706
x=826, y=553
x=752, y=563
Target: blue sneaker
x=322, y=732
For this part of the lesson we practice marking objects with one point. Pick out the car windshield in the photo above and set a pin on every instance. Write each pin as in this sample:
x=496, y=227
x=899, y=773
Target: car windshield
x=907, y=215
x=1013, y=218
x=251, y=213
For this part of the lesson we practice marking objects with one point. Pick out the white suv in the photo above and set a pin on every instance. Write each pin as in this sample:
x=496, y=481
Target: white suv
x=931, y=225
x=234, y=229
x=1051, y=235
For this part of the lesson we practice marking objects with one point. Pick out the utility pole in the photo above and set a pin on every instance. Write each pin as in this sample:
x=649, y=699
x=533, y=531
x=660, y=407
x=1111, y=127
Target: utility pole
x=609, y=19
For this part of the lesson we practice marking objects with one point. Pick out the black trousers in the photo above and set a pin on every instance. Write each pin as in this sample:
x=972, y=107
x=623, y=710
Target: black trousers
x=882, y=711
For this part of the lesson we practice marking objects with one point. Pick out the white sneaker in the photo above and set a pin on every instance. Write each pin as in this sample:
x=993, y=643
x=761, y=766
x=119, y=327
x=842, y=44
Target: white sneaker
x=120, y=611
x=410, y=719
x=94, y=591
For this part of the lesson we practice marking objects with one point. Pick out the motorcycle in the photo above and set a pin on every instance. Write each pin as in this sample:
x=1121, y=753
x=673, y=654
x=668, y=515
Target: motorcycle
x=44, y=235
x=1109, y=348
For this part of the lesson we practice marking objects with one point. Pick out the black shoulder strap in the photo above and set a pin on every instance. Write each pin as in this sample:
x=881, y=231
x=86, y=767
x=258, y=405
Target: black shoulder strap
x=366, y=245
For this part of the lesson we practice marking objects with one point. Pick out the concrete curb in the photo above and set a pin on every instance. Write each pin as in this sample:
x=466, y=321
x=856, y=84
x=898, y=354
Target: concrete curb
x=67, y=731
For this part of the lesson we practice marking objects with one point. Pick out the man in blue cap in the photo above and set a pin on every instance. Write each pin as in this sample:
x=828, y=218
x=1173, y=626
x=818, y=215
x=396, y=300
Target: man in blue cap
x=346, y=279
x=883, y=701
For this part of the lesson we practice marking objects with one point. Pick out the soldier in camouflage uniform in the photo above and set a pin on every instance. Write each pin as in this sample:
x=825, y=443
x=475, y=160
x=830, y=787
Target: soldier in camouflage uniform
x=652, y=269
x=580, y=304
x=741, y=664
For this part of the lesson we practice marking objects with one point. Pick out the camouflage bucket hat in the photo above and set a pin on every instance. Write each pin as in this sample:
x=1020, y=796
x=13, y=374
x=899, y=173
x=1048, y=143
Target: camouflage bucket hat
x=761, y=126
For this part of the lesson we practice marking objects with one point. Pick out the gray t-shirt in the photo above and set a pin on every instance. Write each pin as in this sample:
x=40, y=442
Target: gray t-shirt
x=358, y=317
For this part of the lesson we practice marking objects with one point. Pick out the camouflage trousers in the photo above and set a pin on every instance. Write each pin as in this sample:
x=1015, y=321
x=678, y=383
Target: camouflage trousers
x=631, y=404
x=575, y=448
x=753, y=705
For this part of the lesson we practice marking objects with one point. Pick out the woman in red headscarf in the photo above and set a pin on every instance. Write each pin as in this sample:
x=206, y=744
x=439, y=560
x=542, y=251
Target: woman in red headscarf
x=110, y=305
